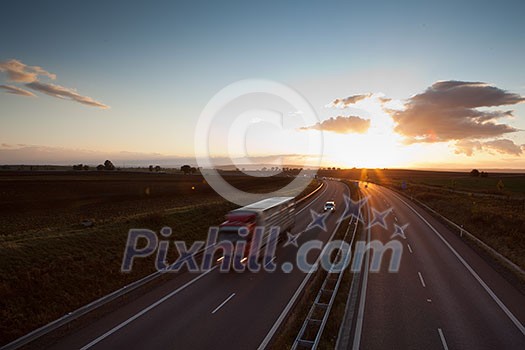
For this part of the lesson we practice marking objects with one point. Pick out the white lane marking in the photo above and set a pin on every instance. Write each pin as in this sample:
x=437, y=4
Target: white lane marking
x=160, y=301
x=149, y=308
x=395, y=218
x=421, y=279
x=222, y=304
x=443, y=341
x=291, y=302
x=314, y=200
x=429, y=300
x=269, y=262
x=361, y=312
x=494, y=297
x=409, y=248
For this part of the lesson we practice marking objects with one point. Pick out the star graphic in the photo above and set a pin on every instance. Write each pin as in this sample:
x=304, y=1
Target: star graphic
x=379, y=218
x=399, y=231
x=353, y=208
x=318, y=220
x=291, y=239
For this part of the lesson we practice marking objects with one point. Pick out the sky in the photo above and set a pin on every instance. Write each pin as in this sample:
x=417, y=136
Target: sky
x=390, y=83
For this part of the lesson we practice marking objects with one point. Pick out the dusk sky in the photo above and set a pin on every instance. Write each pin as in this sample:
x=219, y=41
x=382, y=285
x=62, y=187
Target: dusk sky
x=394, y=83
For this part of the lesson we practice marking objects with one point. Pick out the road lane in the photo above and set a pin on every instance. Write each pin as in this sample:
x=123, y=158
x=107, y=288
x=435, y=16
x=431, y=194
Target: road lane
x=186, y=319
x=434, y=300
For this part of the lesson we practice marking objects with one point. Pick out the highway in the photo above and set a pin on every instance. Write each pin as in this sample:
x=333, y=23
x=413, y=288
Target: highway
x=211, y=309
x=445, y=296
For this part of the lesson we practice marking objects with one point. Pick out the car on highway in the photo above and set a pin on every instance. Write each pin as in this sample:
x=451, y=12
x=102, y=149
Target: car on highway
x=329, y=206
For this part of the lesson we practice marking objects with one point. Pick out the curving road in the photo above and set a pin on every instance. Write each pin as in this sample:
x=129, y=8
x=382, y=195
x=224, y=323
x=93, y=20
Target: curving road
x=210, y=310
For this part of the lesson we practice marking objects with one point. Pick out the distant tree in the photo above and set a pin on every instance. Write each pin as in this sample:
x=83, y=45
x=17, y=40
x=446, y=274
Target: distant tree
x=86, y=167
x=185, y=169
x=157, y=168
x=100, y=167
x=484, y=174
x=474, y=173
x=108, y=165
x=78, y=167
x=193, y=170
x=151, y=168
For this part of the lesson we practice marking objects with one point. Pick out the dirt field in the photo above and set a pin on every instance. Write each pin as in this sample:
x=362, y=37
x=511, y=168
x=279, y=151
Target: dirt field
x=35, y=201
x=50, y=264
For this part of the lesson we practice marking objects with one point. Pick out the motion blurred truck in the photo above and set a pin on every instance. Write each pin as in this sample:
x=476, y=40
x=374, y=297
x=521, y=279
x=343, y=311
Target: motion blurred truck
x=267, y=213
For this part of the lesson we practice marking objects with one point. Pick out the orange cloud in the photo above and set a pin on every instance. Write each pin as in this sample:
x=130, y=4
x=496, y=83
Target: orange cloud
x=502, y=146
x=342, y=125
x=21, y=73
x=10, y=89
x=65, y=93
x=450, y=110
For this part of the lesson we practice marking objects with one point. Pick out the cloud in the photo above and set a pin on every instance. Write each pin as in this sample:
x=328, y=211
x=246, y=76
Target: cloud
x=10, y=89
x=65, y=93
x=342, y=125
x=384, y=100
x=503, y=146
x=347, y=101
x=448, y=111
x=21, y=73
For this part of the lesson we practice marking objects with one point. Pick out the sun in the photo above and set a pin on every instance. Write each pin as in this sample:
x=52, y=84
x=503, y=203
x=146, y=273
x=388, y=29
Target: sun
x=370, y=150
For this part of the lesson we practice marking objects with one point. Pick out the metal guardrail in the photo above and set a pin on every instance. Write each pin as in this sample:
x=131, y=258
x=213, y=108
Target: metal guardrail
x=313, y=323
x=76, y=314
x=515, y=268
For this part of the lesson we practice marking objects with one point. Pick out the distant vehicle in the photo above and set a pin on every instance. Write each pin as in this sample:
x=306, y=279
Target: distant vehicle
x=329, y=206
x=267, y=213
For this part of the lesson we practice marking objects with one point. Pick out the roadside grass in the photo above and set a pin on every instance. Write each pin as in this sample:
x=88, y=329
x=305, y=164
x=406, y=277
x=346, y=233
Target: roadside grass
x=498, y=222
x=46, y=278
x=49, y=272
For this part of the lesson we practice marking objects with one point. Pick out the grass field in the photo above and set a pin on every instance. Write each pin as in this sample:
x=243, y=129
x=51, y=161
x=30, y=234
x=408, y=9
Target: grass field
x=51, y=265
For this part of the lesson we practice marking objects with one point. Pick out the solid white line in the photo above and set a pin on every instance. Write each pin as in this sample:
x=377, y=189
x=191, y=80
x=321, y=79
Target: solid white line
x=443, y=341
x=144, y=311
x=269, y=262
x=395, y=218
x=291, y=302
x=421, y=279
x=409, y=248
x=494, y=297
x=160, y=301
x=361, y=312
x=314, y=200
x=222, y=304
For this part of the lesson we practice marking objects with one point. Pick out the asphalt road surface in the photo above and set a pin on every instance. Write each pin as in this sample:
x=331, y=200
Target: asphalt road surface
x=445, y=296
x=213, y=309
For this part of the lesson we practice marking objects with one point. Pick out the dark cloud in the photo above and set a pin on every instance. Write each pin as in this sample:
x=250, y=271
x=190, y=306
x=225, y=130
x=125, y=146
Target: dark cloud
x=347, y=101
x=10, y=89
x=448, y=111
x=65, y=93
x=342, y=125
x=503, y=146
x=22, y=73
